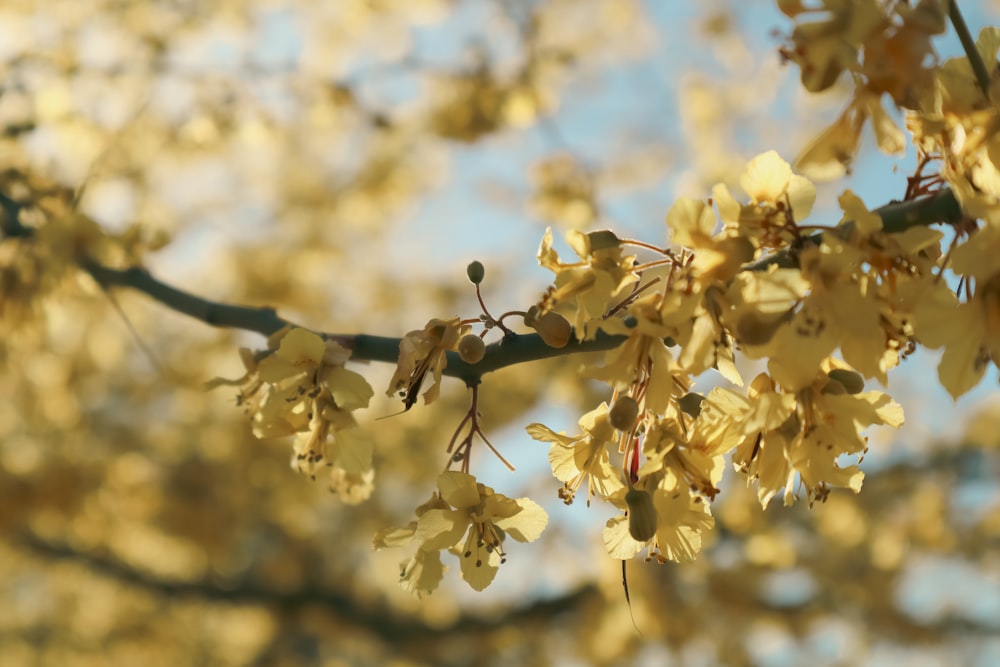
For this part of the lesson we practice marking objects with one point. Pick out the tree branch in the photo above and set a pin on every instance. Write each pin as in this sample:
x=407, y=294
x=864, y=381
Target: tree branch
x=261, y=320
x=379, y=619
x=969, y=45
x=511, y=350
x=939, y=207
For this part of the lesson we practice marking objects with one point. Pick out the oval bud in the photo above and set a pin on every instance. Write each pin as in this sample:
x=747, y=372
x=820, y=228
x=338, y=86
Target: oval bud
x=641, y=515
x=690, y=403
x=832, y=387
x=531, y=317
x=624, y=413
x=476, y=272
x=471, y=348
x=851, y=380
x=554, y=329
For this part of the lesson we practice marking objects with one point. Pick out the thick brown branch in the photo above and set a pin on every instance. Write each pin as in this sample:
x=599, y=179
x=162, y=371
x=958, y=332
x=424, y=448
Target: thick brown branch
x=262, y=320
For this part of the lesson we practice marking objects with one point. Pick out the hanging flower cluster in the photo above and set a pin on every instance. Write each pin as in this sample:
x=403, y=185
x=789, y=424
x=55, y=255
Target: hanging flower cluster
x=302, y=388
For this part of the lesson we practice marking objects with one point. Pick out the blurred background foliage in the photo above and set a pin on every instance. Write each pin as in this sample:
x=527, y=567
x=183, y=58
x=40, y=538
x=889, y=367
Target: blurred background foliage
x=342, y=161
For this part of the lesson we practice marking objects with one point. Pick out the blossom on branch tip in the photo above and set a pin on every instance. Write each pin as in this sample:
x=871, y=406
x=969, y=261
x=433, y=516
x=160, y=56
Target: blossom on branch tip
x=692, y=456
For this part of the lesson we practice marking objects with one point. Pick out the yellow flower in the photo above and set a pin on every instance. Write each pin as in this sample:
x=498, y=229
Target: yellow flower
x=828, y=43
x=693, y=457
x=302, y=388
x=777, y=197
x=583, y=457
x=681, y=519
x=478, y=525
x=969, y=331
x=804, y=434
x=643, y=359
x=602, y=275
x=422, y=351
x=829, y=156
x=716, y=257
x=422, y=572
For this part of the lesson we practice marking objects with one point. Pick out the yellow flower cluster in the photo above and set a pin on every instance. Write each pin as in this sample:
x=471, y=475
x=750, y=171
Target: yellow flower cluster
x=301, y=388
x=848, y=290
x=469, y=520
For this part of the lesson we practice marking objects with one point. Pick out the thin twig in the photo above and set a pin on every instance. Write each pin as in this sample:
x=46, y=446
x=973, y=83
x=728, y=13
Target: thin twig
x=969, y=45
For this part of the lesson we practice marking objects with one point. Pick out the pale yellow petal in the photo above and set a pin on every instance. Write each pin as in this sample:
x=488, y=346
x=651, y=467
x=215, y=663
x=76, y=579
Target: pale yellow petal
x=458, y=489
x=766, y=177
x=354, y=450
x=479, y=564
x=398, y=536
x=618, y=541
x=440, y=529
x=422, y=573
x=691, y=222
x=300, y=347
x=350, y=390
x=528, y=524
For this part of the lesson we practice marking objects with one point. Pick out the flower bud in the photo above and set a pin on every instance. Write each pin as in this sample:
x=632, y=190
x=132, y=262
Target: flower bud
x=531, y=317
x=476, y=272
x=852, y=381
x=641, y=514
x=554, y=329
x=624, y=413
x=690, y=403
x=471, y=348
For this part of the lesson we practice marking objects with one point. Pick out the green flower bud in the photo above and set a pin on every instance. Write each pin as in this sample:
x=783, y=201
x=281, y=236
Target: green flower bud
x=554, y=329
x=852, y=381
x=691, y=403
x=471, y=348
x=624, y=413
x=476, y=272
x=641, y=514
